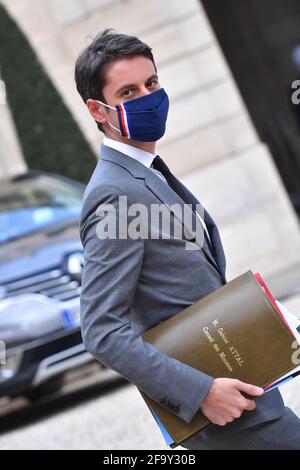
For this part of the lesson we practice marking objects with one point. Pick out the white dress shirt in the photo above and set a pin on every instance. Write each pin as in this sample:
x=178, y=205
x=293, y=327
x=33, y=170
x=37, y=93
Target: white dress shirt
x=146, y=158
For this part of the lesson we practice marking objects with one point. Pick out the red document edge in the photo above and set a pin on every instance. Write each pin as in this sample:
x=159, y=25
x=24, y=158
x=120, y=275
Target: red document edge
x=272, y=300
x=263, y=284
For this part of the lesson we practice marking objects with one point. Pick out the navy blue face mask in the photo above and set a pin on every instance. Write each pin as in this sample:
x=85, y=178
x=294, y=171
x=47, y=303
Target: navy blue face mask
x=144, y=118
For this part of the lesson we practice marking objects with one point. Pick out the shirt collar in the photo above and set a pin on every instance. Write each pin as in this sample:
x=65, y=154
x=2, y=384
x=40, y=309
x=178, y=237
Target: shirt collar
x=146, y=158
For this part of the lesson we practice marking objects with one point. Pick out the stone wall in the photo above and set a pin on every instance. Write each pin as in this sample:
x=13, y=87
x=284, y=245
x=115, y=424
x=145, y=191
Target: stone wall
x=11, y=159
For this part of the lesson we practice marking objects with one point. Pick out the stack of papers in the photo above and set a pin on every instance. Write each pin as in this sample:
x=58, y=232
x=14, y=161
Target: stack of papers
x=294, y=324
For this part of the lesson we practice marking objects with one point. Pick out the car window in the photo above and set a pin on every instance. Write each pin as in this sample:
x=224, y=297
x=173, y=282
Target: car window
x=31, y=204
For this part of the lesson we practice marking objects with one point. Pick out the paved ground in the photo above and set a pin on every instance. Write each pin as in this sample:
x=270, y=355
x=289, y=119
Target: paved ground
x=111, y=416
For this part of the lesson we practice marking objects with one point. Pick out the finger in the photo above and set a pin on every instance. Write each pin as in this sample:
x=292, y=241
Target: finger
x=249, y=405
x=236, y=413
x=248, y=388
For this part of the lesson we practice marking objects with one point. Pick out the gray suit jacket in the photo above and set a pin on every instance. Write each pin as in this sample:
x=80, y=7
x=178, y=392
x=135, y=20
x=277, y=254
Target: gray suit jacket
x=128, y=286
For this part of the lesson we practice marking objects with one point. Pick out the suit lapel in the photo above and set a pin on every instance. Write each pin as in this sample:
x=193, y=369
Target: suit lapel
x=216, y=240
x=190, y=222
x=219, y=255
x=168, y=197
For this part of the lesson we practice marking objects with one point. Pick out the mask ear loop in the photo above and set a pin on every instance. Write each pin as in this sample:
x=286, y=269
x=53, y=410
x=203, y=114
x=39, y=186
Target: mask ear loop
x=106, y=105
x=114, y=127
x=113, y=108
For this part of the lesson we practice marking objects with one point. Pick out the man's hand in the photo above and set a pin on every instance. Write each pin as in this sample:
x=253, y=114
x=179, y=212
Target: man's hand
x=224, y=402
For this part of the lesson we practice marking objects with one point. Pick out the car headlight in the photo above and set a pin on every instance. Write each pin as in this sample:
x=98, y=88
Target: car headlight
x=74, y=265
x=28, y=317
x=9, y=366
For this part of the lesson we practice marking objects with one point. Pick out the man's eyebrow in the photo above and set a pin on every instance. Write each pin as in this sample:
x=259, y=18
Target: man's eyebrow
x=130, y=85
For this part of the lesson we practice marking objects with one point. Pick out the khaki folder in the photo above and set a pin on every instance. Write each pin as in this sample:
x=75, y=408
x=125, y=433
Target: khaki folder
x=233, y=332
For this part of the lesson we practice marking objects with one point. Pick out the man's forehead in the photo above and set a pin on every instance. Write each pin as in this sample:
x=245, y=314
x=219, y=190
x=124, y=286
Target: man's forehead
x=129, y=70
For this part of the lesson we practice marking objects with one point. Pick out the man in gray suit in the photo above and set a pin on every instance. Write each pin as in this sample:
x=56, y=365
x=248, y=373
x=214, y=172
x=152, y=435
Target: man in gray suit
x=137, y=274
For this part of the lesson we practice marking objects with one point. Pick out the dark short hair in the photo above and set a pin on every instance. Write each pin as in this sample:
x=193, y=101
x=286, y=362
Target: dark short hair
x=91, y=64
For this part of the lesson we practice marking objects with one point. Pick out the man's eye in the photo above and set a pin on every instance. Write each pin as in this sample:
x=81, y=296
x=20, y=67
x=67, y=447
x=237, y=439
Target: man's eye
x=127, y=93
x=152, y=83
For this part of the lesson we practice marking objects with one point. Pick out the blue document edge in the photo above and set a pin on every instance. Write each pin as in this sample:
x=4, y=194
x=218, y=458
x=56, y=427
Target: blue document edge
x=279, y=383
x=169, y=440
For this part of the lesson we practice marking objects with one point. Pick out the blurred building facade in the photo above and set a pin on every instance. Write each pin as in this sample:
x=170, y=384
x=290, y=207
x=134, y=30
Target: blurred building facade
x=211, y=142
x=11, y=159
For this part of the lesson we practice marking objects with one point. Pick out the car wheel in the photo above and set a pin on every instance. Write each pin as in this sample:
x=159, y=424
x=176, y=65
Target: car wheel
x=48, y=388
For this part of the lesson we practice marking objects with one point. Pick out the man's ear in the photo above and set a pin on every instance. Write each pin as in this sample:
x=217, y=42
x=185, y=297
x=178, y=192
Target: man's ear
x=96, y=110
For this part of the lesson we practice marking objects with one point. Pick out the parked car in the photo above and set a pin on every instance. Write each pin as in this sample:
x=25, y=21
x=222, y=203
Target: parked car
x=41, y=260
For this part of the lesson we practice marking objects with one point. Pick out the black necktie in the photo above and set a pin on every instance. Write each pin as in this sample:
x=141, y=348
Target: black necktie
x=173, y=182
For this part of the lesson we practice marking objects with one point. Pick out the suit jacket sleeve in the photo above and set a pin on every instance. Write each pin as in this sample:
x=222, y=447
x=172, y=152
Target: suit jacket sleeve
x=110, y=276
